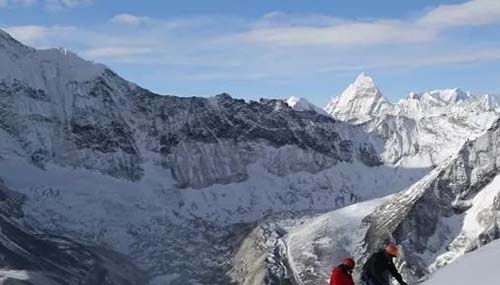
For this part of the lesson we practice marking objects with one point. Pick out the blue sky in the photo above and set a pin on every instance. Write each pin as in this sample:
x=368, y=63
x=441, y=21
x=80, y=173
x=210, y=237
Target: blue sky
x=273, y=48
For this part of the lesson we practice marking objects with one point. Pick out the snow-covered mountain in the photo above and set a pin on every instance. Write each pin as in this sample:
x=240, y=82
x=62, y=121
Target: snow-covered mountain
x=451, y=211
x=220, y=191
x=173, y=183
x=59, y=108
x=423, y=129
x=359, y=102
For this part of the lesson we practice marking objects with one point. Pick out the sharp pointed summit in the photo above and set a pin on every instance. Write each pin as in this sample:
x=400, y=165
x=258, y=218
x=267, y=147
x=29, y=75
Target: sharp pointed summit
x=360, y=99
x=364, y=80
x=302, y=104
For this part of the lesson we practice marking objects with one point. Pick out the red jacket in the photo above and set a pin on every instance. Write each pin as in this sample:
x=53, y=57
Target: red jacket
x=341, y=276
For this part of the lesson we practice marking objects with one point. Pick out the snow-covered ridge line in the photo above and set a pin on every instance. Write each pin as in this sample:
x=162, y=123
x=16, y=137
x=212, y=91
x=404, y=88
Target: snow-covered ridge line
x=62, y=109
x=423, y=129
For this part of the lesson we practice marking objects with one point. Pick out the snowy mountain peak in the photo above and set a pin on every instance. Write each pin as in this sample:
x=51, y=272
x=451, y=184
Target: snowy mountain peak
x=49, y=70
x=302, y=104
x=363, y=80
x=360, y=99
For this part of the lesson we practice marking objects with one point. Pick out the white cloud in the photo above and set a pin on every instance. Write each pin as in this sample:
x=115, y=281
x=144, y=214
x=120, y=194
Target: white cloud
x=108, y=52
x=56, y=5
x=476, y=12
x=294, y=30
x=26, y=3
x=27, y=34
x=348, y=33
x=129, y=19
x=276, y=45
x=53, y=5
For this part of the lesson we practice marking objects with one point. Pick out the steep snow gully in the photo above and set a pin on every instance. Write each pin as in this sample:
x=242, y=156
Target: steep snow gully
x=104, y=182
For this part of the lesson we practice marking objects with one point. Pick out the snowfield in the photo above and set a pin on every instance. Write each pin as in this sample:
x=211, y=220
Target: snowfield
x=475, y=268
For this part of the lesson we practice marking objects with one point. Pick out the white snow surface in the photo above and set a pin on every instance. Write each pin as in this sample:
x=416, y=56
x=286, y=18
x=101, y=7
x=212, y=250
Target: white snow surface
x=478, y=267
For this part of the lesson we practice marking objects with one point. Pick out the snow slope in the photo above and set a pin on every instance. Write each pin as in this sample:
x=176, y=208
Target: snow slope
x=478, y=267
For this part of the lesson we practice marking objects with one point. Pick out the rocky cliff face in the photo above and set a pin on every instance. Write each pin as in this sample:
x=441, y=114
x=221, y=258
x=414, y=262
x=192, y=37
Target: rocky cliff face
x=75, y=113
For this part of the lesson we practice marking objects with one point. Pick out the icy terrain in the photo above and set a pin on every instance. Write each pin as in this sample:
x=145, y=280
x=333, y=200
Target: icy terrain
x=478, y=267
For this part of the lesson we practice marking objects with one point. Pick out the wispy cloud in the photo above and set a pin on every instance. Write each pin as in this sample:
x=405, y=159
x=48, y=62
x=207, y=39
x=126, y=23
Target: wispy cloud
x=276, y=29
x=28, y=34
x=25, y=3
x=278, y=45
x=52, y=5
x=56, y=5
x=472, y=13
x=116, y=52
x=346, y=33
x=129, y=19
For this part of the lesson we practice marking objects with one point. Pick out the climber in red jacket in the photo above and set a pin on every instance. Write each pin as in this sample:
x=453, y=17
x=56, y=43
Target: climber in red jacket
x=341, y=274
